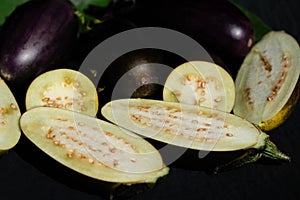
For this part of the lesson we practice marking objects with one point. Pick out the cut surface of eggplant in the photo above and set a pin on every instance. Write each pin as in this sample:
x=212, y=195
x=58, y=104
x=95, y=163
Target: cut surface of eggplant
x=93, y=147
x=9, y=119
x=201, y=83
x=267, y=77
x=63, y=88
x=184, y=125
x=193, y=127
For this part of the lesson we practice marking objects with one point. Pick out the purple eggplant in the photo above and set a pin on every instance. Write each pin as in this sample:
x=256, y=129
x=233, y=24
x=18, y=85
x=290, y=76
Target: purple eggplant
x=217, y=25
x=35, y=37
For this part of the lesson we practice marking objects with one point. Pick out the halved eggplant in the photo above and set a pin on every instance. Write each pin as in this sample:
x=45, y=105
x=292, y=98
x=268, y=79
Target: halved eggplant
x=200, y=83
x=63, y=88
x=267, y=79
x=9, y=119
x=191, y=126
x=92, y=147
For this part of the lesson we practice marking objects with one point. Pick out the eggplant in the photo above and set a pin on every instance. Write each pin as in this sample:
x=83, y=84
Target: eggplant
x=37, y=36
x=217, y=25
x=139, y=73
x=200, y=83
x=65, y=89
x=267, y=84
x=10, y=132
x=92, y=147
x=193, y=127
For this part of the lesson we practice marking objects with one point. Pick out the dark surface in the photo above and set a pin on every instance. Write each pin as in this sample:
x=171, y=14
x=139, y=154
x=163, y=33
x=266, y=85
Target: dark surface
x=25, y=173
x=34, y=38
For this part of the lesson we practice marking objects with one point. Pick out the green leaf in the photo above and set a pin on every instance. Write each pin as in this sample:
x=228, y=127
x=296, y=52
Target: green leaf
x=260, y=28
x=7, y=7
x=82, y=5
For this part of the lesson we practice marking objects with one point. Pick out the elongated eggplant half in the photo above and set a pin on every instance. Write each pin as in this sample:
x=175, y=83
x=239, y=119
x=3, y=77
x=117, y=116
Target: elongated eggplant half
x=184, y=125
x=191, y=126
x=37, y=36
x=93, y=147
x=63, y=88
x=9, y=119
x=200, y=83
x=267, y=79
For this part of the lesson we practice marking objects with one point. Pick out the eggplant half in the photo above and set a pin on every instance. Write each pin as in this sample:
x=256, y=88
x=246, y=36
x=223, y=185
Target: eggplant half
x=63, y=88
x=92, y=147
x=38, y=35
x=266, y=84
x=9, y=119
x=192, y=127
x=200, y=83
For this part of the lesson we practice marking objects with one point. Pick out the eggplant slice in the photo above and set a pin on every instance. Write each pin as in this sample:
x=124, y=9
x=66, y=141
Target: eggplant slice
x=9, y=118
x=200, y=83
x=193, y=127
x=93, y=147
x=267, y=79
x=184, y=125
x=63, y=88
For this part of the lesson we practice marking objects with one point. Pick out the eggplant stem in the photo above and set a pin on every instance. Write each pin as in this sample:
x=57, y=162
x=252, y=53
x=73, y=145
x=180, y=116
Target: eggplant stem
x=250, y=156
x=268, y=150
x=271, y=151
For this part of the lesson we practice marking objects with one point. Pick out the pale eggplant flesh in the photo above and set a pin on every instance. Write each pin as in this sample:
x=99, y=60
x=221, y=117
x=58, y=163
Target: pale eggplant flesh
x=10, y=132
x=65, y=89
x=200, y=83
x=192, y=127
x=92, y=147
x=266, y=83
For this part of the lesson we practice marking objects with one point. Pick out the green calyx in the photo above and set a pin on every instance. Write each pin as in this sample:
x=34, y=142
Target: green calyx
x=264, y=148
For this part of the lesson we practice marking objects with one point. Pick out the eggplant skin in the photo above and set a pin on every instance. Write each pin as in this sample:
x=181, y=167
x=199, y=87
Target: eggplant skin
x=37, y=35
x=217, y=25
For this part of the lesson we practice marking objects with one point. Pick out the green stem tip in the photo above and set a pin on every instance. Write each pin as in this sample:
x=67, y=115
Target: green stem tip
x=264, y=148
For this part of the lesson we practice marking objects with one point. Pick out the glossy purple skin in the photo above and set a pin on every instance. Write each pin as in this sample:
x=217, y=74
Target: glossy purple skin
x=217, y=25
x=36, y=36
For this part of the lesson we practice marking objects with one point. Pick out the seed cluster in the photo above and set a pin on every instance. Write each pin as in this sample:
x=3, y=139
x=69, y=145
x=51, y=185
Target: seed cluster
x=71, y=97
x=285, y=63
x=271, y=77
x=204, y=127
x=4, y=111
x=2, y=116
x=92, y=144
x=206, y=92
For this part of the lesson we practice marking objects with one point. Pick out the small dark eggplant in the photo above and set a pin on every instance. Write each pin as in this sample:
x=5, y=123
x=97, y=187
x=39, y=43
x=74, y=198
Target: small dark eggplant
x=138, y=74
x=217, y=25
x=36, y=36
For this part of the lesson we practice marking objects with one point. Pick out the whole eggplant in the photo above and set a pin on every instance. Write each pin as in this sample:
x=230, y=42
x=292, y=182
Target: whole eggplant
x=36, y=36
x=218, y=25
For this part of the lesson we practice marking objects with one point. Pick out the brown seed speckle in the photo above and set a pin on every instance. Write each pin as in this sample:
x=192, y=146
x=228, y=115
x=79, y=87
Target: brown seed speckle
x=12, y=106
x=116, y=163
x=229, y=134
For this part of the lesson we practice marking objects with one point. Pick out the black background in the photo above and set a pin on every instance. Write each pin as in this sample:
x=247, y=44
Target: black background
x=27, y=173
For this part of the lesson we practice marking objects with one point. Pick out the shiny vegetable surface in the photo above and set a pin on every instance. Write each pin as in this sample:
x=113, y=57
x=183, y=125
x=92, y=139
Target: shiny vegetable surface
x=218, y=25
x=36, y=36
